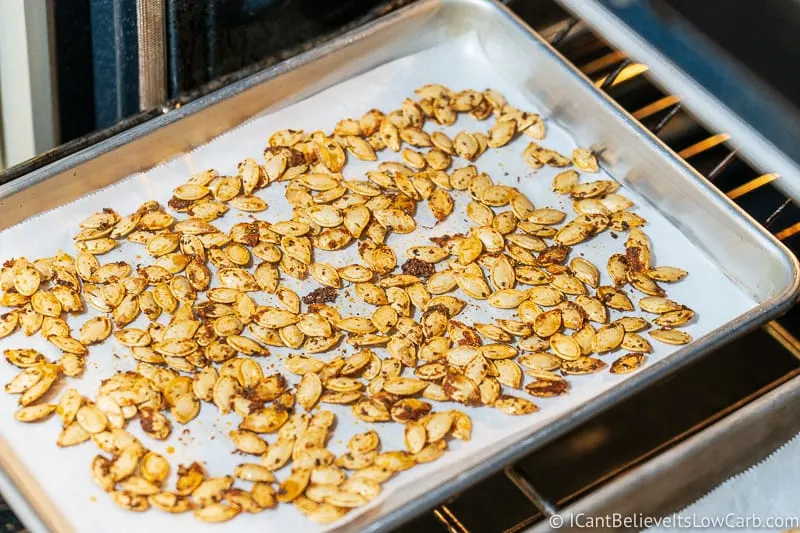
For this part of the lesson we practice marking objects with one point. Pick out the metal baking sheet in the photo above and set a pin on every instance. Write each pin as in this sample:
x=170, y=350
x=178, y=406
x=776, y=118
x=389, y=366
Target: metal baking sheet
x=683, y=474
x=743, y=275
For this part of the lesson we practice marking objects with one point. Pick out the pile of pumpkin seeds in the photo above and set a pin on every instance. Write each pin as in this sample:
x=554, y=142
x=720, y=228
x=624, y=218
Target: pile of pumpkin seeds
x=205, y=331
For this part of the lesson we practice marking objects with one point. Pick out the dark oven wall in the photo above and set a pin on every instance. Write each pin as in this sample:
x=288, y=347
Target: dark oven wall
x=208, y=43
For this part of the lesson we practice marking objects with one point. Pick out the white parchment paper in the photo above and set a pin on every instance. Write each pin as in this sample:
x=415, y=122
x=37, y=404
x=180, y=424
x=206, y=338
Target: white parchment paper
x=762, y=498
x=64, y=474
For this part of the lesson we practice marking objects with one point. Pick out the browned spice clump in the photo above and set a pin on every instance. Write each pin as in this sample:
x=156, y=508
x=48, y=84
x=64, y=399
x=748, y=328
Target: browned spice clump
x=405, y=411
x=547, y=388
x=293, y=157
x=251, y=234
x=468, y=336
x=633, y=258
x=320, y=296
x=553, y=255
x=146, y=419
x=419, y=268
x=179, y=205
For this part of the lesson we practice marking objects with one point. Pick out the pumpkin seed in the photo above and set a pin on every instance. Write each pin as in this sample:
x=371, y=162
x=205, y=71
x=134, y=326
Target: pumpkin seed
x=512, y=405
x=507, y=298
x=666, y=274
x=675, y=318
x=671, y=336
x=642, y=283
x=582, y=365
x=547, y=388
x=563, y=182
x=547, y=323
x=627, y=363
x=608, y=338
x=34, y=413
x=545, y=296
x=585, y=160
x=216, y=512
x=309, y=390
x=658, y=305
x=565, y=347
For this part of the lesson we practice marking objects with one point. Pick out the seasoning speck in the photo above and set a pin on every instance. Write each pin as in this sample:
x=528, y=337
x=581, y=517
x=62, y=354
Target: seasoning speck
x=320, y=296
x=419, y=268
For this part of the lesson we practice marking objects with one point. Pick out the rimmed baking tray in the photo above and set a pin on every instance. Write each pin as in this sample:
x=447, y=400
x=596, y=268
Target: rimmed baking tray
x=686, y=472
x=741, y=252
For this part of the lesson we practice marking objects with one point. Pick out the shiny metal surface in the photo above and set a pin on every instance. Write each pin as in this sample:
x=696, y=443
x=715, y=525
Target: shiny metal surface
x=753, y=145
x=151, y=19
x=686, y=472
x=743, y=251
